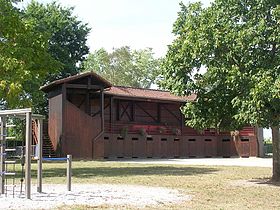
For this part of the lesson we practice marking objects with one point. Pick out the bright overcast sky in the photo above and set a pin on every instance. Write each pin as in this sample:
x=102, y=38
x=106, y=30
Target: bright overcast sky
x=135, y=23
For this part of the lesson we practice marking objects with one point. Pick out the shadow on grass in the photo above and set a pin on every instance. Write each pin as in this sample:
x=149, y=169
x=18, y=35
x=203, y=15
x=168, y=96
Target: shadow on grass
x=266, y=182
x=86, y=172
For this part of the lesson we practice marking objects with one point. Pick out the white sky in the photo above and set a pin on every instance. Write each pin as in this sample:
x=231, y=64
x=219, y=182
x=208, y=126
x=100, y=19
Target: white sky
x=135, y=23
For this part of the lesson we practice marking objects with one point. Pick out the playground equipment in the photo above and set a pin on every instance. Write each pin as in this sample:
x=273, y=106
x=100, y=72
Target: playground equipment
x=69, y=169
x=25, y=114
x=28, y=116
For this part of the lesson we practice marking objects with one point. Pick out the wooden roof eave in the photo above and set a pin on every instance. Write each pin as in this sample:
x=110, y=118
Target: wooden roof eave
x=146, y=99
x=50, y=86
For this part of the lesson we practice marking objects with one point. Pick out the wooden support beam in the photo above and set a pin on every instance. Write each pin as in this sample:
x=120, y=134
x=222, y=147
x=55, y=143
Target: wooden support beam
x=88, y=86
x=118, y=110
x=182, y=121
x=102, y=108
x=98, y=112
x=82, y=101
x=151, y=116
x=63, y=110
x=168, y=110
x=158, y=113
x=112, y=102
x=125, y=111
x=87, y=107
x=132, y=110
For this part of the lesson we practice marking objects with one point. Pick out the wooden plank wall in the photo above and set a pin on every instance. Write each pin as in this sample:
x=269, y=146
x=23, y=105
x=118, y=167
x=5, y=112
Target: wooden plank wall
x=146, y=112
x=165, y=146
x=136, y=146
x=55, y=120
x=80, y=129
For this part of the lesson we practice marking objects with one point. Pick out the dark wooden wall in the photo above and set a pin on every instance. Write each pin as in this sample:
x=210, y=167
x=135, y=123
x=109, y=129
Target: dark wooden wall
x=55, y=120
x=161, y=146
x=165, y=135
x=144, y=112
x=80, y=130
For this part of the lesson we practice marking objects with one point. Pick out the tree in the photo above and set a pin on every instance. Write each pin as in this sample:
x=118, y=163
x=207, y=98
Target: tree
x=67, y=38
x=238, y=43
x=137, y=68
x=67, y=35
x=23, y=57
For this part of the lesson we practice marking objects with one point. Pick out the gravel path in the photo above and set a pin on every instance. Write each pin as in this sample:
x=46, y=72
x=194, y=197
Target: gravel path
x=93, y=195
x=250, y=162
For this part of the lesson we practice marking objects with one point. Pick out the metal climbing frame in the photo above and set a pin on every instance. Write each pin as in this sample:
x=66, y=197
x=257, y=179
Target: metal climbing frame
x=28, y=116
x=9, y=157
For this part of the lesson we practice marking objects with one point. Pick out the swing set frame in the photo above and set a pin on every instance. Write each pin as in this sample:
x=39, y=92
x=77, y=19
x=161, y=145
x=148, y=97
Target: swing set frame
x=28, y=116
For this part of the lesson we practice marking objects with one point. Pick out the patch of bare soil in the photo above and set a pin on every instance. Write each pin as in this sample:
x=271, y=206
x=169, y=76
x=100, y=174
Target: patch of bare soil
x=94, y=195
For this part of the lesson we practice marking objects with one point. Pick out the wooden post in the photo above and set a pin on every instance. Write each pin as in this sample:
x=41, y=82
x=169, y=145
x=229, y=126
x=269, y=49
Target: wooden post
x=2, y=154
x=111, y=112
x=182, y=122
x=64, y=119
x=28, y=156
x=69, y=171
x=40, y=156
x=158, y=113
x=117, y=109
x=132, y=111
x=102, y=108
x=87, y=105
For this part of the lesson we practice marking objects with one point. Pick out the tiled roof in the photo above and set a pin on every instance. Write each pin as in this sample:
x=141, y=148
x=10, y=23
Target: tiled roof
x=144, y=93
x=121, y=91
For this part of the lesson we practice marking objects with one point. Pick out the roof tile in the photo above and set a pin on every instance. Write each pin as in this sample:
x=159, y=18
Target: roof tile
x=147, y=94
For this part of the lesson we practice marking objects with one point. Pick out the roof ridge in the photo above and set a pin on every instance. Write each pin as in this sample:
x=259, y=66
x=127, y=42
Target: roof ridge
x=140, y=88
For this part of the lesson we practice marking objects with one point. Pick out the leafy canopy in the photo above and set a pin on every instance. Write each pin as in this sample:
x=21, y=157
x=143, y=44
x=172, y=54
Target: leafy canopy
x=23, y=57
x=126, y=67
x=67, y=34
x=67, y=38
x=237, y=42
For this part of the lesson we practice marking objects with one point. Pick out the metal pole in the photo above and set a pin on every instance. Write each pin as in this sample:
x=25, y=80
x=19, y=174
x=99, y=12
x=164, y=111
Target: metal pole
x=40, y=156
x=69, y=171
x=2, y=153
x=28, y=156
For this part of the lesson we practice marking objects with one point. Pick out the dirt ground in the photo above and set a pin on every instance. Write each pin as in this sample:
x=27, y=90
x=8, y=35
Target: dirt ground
x=54, y=196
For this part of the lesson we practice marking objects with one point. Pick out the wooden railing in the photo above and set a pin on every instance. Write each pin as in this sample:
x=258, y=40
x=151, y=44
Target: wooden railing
x=133, y=128
x=118, y=128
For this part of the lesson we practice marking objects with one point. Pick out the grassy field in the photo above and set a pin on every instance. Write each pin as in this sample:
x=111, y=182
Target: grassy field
x=211, y=187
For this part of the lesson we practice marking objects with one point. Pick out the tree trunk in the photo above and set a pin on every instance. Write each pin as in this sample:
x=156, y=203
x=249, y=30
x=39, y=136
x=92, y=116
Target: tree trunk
x=276, y=153
x=260, y=141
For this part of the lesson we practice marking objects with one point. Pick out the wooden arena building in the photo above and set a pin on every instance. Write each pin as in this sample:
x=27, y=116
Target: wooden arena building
x=90, y=119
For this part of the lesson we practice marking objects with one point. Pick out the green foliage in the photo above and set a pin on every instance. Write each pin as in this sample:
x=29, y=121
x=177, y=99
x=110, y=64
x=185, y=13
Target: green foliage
x=68, y=35
x=67, y=38
x=267, y=140
x=238, y=43
x=23, y=57
x=137, y=68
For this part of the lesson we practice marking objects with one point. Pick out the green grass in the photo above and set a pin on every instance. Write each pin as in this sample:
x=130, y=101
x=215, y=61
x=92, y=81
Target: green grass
x=212, y=187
